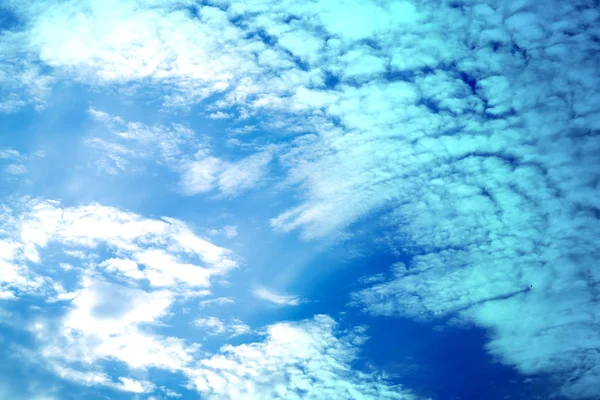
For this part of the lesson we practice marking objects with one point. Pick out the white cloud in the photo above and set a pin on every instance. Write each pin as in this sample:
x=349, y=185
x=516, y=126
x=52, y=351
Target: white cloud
x=309, y=359
x=110, y=320
x=194, y=58
x=128, y=144
x=230, y=178
x=100, y=379
x=179, y=149
x=161, y=246
x=17, y=165
x=15, y=169
x=105, y=322
x=276, y=298
x=220, y=115
x=9, y=154
x=21, y=78
x=473, y=128
x=16, y=277
x=229, y=231
x=135, y=386
x=216, y=326
x=117, y=42
x=169, y=393
x=105, y=117
x=216, y=301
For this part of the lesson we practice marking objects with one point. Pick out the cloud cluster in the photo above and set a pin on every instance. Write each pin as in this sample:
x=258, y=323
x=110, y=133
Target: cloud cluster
x=472, y=125
x=22, y=80
x=179, y=149
x=109, y=316
x=164, y=252
x=106, y=322
x=16, y=162
x=130, y=143
x=308, y=359
x=125, y=274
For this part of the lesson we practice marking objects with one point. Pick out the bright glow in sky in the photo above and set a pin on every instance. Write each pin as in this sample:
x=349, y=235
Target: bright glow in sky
x=299, y=199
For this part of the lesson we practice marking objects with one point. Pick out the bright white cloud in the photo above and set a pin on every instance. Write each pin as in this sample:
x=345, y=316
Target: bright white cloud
x=105, y=321
x=116, y=42
x=220, y=115
x=109, y=318
x=163, y=246
x=308, y=359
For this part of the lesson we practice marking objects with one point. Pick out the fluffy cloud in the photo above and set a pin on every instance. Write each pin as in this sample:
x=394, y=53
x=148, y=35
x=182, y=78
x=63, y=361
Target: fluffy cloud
x=220, y=115
x=476, y=134
x=308, y=359
x=111, y=319
x=487, y=174
x=158, y=251
x=15, y=169
x=108, y=316
x=105, y=323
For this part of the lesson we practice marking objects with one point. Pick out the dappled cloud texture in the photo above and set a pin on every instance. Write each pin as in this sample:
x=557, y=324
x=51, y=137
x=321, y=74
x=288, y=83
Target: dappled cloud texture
x=470, y=127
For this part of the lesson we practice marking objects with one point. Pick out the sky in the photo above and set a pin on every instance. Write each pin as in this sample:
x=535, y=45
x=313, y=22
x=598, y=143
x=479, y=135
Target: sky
x=352, y=199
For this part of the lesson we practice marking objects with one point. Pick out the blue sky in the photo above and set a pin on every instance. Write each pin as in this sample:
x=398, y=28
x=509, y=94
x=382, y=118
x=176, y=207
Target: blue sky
x=322, y=200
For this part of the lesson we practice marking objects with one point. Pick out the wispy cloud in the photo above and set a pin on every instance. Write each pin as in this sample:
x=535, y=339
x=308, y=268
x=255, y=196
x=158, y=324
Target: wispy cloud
x=17, y=162
x=280, y=299
x=218, y=327
x=179, y=149
x=230, y=178
x=15, y=169
x=229, y=231
x=216, y=302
